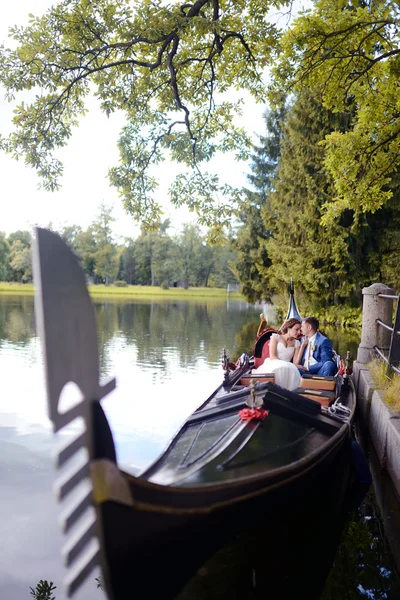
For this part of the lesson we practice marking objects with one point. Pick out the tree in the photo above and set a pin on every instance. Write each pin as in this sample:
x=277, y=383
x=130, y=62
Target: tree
x=21, y=261
x=4, y=257
x=85, y=248
x=168, y=67
x=205, y=263
x=23, y=236
x=317, y=258
x=142, y=255
x=20, y=256
x=69, y=234
x=189, y=260
x=161, y=266
x=106, y=258
x=348, y=53
x=43, y=590
x=127, y=269
x=225, y=261
x=330, y=262
x=251, y=238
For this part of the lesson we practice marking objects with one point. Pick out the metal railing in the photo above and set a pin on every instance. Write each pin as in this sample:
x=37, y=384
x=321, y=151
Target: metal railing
x=393, y=355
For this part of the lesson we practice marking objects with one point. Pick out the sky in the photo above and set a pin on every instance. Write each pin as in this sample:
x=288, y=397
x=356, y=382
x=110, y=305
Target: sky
x=92, y=150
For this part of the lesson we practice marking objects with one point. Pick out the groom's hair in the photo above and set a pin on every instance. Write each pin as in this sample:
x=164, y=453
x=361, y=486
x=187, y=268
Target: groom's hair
x=313, y=321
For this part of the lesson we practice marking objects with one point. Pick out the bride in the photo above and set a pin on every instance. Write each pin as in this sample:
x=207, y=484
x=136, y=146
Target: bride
x=284, y=347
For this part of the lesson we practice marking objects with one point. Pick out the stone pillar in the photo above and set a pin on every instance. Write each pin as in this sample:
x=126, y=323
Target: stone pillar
x=375, y=308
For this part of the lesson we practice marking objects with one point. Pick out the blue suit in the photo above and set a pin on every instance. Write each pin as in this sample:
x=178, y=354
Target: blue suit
x=322, y=353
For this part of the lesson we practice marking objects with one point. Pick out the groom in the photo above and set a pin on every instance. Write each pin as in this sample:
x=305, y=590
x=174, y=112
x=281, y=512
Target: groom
x=316, y=350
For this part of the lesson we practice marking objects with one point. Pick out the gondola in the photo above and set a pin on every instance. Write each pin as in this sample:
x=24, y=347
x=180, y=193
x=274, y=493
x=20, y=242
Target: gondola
x=249, y=457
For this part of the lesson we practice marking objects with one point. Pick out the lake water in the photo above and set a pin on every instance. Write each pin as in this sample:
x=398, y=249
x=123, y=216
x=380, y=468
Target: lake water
x=166, y=357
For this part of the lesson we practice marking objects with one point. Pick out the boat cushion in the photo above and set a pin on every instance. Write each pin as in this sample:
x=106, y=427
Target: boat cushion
x=258, y=361
x=261, y=378
x=261, y=347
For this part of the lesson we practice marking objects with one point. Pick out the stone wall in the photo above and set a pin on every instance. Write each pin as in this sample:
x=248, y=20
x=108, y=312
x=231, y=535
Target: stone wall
x=382, y=423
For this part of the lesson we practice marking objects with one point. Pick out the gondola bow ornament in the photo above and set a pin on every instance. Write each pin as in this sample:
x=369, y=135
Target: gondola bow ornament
x=66, y=325
x=292, y=308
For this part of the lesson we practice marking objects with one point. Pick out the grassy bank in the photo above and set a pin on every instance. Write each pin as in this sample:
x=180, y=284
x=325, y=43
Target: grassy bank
x=132, y=291
x=390, y=385
x=16, y=288
x=148, y=291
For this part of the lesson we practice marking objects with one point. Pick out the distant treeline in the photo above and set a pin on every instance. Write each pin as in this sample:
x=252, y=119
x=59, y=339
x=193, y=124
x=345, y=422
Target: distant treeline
x=156, y=259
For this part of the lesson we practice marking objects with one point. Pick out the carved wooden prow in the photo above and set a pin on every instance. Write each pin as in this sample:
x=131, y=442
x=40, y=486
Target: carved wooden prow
x=66, y=326
x=292, y=309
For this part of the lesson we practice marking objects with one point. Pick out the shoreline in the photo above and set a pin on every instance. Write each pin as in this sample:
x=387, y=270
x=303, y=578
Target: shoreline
x=132, y=291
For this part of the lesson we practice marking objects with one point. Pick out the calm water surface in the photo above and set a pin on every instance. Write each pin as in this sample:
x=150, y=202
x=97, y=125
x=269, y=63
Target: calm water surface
x=166, y=357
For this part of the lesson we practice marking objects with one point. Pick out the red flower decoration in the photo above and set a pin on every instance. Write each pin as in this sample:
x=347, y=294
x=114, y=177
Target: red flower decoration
x=258, y=414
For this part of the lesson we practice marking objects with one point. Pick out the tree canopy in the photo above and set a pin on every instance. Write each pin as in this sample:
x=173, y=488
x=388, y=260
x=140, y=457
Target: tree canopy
x=171, y=68
x=348, y=54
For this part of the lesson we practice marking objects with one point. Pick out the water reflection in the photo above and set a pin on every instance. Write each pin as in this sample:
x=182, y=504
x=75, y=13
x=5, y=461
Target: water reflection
x=16, y=319
x=166, y=357
x=194, y=331
x=29, y=532
x=363, y=567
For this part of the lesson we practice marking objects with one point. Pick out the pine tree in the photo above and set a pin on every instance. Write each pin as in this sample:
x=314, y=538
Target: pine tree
x=317, y=258
x=331, y=264
x=251, y=237
x=43, y=590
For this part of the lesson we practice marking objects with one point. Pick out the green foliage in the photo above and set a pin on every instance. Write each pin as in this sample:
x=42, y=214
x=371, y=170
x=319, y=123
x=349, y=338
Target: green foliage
x=105, y=256
x=127, y=270
x=170, y=68
x=20, y=259
x=23, y=236
x=224, y=262
x=251, y=238
x=347, y=54
x=86, y=249
x=316, y=257
x=43, y=590
x=154, y=258
x=388, y=382
x=4, y=257
x=285, y=234
x=346, y=316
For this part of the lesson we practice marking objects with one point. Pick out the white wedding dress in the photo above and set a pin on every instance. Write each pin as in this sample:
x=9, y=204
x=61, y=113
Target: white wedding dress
x=286, y=373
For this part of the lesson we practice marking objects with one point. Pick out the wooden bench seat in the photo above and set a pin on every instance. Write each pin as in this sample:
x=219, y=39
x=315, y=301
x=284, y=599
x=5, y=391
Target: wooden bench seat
x=260, y=378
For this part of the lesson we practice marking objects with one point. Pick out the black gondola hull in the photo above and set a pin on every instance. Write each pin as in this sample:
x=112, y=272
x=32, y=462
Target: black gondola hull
x=167, y=547
x=172, y=530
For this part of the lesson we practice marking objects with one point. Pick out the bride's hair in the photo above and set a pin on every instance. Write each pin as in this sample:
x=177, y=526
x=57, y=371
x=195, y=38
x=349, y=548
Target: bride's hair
x=289, y=324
